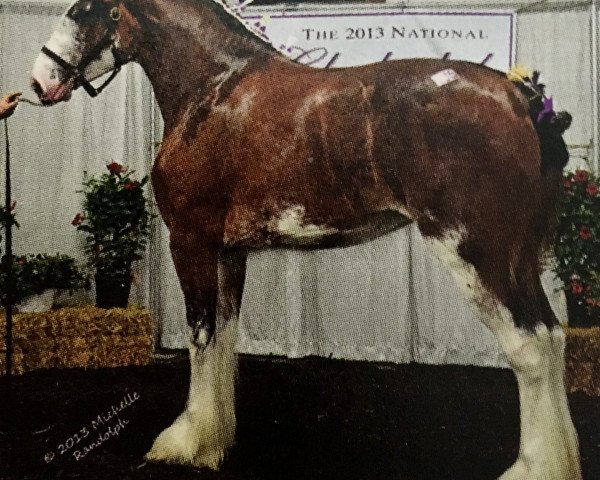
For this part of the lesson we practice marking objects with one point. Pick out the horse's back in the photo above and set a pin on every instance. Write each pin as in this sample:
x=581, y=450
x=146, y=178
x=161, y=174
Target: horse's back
x=387, y=133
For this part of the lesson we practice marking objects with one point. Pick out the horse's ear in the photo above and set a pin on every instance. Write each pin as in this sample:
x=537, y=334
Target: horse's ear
x=80, y=9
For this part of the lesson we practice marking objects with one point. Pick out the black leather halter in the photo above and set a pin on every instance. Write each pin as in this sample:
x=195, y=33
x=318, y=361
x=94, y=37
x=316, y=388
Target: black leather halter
x=78, y=71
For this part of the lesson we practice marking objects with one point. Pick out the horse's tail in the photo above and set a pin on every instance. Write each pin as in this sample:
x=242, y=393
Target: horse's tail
x=555, y=154
x=549, y=125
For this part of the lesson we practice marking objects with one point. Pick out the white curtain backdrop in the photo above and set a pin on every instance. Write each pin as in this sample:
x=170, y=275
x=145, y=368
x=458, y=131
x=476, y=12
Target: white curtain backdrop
x=51, y=148
x=389, y=300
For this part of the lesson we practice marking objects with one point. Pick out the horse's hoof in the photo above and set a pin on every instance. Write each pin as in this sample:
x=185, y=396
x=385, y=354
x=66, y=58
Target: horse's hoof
x=178, y=444
x=519, y=471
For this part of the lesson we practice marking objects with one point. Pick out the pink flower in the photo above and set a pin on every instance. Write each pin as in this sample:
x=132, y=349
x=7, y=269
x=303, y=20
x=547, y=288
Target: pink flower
x=580, y=176
x=130, y=185
x=576, y=288
x=585, y=233
x=78, y=220
x=592, y=189
x=115, y=168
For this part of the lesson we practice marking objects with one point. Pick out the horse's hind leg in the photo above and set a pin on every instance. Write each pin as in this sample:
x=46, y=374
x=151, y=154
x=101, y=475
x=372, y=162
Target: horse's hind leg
x=205, y=430
x=516, y=309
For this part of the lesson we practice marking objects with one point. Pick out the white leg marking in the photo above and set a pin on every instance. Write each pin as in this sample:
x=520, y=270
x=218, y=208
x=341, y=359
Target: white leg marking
x=549, y=447
x=203, y=433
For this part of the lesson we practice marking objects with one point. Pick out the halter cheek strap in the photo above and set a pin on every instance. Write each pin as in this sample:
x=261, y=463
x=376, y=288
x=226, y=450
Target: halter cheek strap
x=78, y=71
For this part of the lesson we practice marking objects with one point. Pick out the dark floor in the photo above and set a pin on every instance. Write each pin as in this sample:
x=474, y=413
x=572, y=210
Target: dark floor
x=310, y=419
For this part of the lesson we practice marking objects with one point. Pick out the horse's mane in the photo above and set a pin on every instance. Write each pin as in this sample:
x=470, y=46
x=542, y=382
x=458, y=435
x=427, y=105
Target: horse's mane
x=228, y=15
x=232, y=19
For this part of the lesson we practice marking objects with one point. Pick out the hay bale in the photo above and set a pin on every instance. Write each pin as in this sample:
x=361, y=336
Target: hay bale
x=84, y=337
x=582, y=356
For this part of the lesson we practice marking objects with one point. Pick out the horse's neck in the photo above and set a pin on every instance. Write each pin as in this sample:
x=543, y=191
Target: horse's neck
x=189, y=48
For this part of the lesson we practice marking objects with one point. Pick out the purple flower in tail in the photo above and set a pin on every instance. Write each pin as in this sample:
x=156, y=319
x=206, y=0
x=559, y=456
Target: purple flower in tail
x=548, y=110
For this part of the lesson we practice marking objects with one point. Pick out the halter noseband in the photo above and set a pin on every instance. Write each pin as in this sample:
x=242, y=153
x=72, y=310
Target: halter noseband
x=77, y=72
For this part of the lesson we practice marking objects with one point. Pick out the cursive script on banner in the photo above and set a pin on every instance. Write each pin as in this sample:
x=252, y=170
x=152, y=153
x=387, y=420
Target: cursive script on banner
x=321, y=57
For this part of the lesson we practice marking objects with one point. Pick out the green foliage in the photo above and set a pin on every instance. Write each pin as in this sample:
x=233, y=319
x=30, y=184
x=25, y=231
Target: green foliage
x=54, y=271
x=32, y=274
x=115, y=221
x=577, y=243
x=21, y=286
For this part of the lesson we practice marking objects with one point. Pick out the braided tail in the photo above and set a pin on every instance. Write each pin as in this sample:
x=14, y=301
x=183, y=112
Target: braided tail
x=549, y=125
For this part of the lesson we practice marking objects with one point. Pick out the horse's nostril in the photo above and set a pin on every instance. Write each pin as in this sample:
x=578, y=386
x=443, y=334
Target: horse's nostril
x=37, y=88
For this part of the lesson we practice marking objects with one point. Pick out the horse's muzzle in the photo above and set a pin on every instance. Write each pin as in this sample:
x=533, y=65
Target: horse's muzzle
x=53, y=94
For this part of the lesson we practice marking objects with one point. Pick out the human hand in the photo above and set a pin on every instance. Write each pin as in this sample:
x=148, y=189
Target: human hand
x=8, y=104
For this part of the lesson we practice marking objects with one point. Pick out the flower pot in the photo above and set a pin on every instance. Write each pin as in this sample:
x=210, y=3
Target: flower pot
x=579, y=314
x=112, y=292
x=41, y=302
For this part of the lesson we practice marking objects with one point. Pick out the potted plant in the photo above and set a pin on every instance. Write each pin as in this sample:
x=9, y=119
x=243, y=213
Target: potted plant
x=39, y=279
x=47, y=276
x=577, y=246
x=116, y=224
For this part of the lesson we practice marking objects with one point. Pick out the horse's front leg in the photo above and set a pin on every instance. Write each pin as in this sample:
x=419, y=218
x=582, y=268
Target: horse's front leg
x=213, y=284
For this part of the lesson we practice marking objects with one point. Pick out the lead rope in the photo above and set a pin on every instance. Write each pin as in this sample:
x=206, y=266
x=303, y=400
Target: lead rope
x=30, y=102
x=8, y=260
x=8, y=308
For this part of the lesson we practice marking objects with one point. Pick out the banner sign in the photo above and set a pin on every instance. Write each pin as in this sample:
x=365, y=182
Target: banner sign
x=348, y=37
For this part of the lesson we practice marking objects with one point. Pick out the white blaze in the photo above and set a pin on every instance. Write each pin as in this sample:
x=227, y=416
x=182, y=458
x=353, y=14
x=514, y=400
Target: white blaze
x=64, y=43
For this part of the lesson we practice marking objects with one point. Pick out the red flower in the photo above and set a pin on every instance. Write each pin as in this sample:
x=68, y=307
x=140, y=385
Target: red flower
x=115, y=168
x=592, y=189
x=576, y=288
x=590, y=301
x=580, y=176
x=130, y=185
x=584, y=233
x=78, y=220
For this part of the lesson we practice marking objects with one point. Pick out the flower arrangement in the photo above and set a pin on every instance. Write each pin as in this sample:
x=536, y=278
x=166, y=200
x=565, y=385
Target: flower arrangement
x=541, y=106
x=116, y=223
x=577, y=245
x=32, y=274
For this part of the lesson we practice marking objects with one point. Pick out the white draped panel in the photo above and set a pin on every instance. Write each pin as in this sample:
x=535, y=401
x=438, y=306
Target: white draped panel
x=389, y=300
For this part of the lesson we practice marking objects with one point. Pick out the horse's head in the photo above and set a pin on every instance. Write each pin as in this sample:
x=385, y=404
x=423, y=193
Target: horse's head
x=93, y=37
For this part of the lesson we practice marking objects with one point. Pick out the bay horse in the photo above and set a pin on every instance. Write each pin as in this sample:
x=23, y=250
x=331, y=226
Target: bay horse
x=262, y=152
